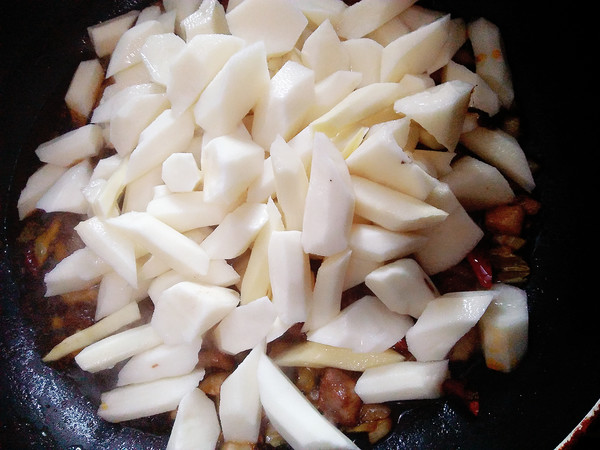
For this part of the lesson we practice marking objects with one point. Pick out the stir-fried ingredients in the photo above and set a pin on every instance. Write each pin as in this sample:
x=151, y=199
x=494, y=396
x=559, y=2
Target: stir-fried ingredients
x=274, y=218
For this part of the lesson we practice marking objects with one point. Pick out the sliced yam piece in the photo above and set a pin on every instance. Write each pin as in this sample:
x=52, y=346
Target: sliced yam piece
x=327, y=292
x=483, y=96
x=37, y=185
x=285, y=105
x=181, y=173
x=196, y=421
x=291, y=413
x=234, y=90
x=317, y=11
x=105, y=35
x=504, y=328
x=291, y=183
x=366, y=16
x=440, y=110
x=448, y=242
x=72, y=147
x=246, y=326
x=365, y=58
x=240, y=410
x=415, y=52
x=79, y=270
x=158, y=52
x=167, y=134
x=407, y=380
x=392, y=209
x=329, y=206
x=127, y=51
x=503, y=151
x=358, y=105
x=289, y=273
x=236, y=232
x=278, y=24
x=159, y=362
x=84, y=89
x=402, y=286
x=324, y=53
x=114, y=293
x=66, y=193
x=179, y=251
x=256, y=283
x=186, y=310
x=379, y=244
x=107, y=352
x=147, y=399
x=196, y=65
x=490, y=63
x=106, y=326
x=444, y=321
x=365, y=326
x=209, y=18
x=478, y=185
x=358, y=269
x=313, y=354
x=186, y=211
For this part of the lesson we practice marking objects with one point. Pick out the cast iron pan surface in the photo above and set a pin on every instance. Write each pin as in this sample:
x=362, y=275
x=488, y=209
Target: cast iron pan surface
x=535, y=407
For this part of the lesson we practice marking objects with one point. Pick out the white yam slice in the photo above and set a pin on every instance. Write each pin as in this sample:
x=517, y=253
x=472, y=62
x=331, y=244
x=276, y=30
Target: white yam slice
x=177, y=250
x=291, y=183
x=72, y=147
x=478, y=185
x=503, y=151
x=127, y=51
x=379, y=244
x=292, y=415
x=196, y=423
x=105, y=35
x=234, y=91
x=285, y=105
x=84, y=89
x=365, y=58
x=196, y=65
x=289, y=273
x=79, y=270
x=240, y=410
x=159, y=362
x=415, y=52
x=187, y=309
x=444, y=321
x=278, y=24
x=365, y=326
x=158, y=52
x=107, y=352
x=440, y=110
x=245, y=326
x=181, y=173
x=392, y=209
x=147, y=399
x=490, y=62
x=99, y=330
x=402, y=286
x=327, y=293
x=186, y=211
x=483, y=96
x=236, y=233
x=37, y=185
x=504, y=328
x=407, y=380
x=329, y=205
x=366, y=16
x=167, y=134
x=209, y=18
x=324, y=53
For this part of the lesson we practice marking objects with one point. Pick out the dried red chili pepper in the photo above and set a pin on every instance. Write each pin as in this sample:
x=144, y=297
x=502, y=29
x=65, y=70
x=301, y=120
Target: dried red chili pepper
x=481, y=266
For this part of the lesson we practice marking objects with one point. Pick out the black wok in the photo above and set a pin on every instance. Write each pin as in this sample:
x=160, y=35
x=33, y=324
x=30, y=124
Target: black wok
x=535, y=407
